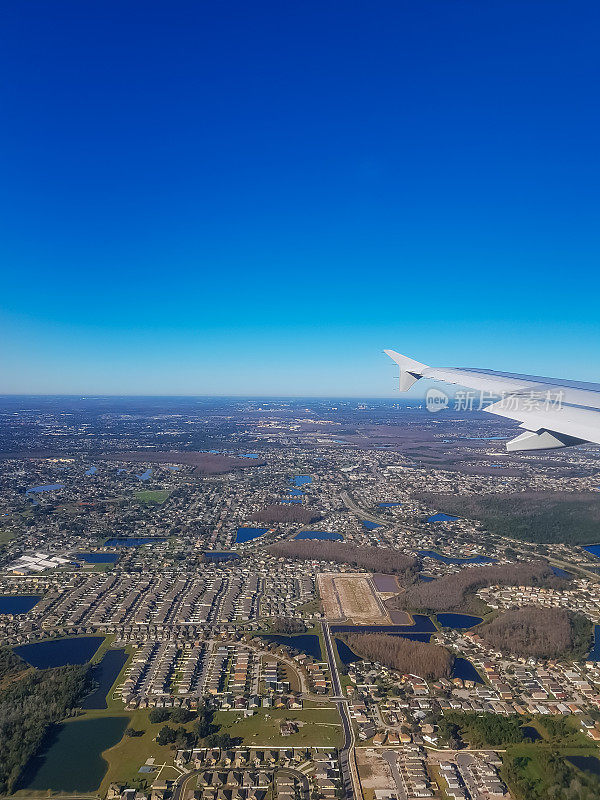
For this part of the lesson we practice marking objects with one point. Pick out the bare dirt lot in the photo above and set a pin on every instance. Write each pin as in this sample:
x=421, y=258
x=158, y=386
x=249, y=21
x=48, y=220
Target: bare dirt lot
x=374, y=772
x=351, y=596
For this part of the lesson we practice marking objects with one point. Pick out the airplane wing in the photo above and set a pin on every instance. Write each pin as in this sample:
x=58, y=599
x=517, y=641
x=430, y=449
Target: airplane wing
x=553, y=412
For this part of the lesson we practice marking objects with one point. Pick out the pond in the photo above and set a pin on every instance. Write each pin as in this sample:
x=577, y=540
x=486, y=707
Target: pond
x=216, y=557
x=104, y=674
x=370, y=526
x=97, y=558
x=59, y=652
x=91, y=471
x=388, y=505
x=347, y=656
x=442, y=518
x=426, y=578
x=300, y=480
x=69, y=758
x=448, y=620
x=586, y=763
x=423, y=625
x=594, y=549
x=560, y=573
x=133, y=541
x=529, y=732
x=51, y=487
x=145, y=475
x=464, y=670
x=247, y=534
x=17, y=604
x=304, y=642
x=296, y=493
x=385, y=583
x=320, y=535
x=594, y=654
x=448, y=560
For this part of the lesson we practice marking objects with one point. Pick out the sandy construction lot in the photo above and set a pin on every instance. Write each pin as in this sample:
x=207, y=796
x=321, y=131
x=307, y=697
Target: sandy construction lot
x=350, y=596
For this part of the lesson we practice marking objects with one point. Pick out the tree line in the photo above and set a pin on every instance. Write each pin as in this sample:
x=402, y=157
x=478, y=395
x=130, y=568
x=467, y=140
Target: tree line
x=374, y=559
x=29, y=705
x=563, y=517
x=449, y=592
x=429, y=661
x=280, y=512
x=538, y=632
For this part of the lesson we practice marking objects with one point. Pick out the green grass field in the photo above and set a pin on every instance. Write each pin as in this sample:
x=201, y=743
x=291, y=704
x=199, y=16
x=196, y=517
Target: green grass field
x=153, y=496
x=322, y=726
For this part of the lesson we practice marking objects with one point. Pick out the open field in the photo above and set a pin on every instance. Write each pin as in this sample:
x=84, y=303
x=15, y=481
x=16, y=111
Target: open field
x=156, y=496
x=350, y=596
x=319, y=726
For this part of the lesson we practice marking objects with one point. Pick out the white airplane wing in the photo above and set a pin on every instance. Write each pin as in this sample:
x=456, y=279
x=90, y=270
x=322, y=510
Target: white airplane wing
x=553, y=412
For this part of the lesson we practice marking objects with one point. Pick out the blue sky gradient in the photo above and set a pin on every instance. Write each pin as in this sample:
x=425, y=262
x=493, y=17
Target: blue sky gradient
x=257, y=198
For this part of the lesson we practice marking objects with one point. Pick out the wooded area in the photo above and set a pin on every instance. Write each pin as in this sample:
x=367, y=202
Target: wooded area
x=375, y=559
x=538, y=632
x=428, y=661
x=29, y=705
x=448, y=593
x=292, y=512
x=553, y=517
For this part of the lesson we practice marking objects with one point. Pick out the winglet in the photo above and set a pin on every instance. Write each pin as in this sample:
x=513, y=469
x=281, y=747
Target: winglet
x=410, y=370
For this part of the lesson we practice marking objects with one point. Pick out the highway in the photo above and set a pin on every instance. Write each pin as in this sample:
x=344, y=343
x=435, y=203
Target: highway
x=351, y=783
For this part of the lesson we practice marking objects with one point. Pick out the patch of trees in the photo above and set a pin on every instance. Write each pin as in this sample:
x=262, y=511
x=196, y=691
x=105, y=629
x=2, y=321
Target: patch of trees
x=179, y=715
x=291, y=512
x=481, y=730
x=204, y=729
x=10, y=664
x=543, y=774
x=538, y=632
x=288, y=625
x=429, y=661
x=28, y=706
x=374, y=559
x=449, y=592
x=552, y=517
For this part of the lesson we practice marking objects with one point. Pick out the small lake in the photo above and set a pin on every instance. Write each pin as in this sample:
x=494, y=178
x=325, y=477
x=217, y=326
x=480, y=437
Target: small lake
x=17, y=604
x=91, y=471
x=104, y=674
x=249, y=455
x=426, y=578
x=300, y=480
x=448, y=620
x=594, y=549
x=304, y=642
x=69, y=758
x=388, y=505
x=464, y=670
x=320, y=535
x=145, y=475
x=529, y=732
x=385, y=583
x=423, y=625
x=586, y=763
x=442, y=518
x=291, y=499
x=213, y=555
x=448, y=560
x=594, y=654
x=133, y=541
x=247, y=534
x=347, y=656
x=296, y=493
x=51, y=487
x=59, y=652
x=370, y=526
x=560, y=573
x=97, y=558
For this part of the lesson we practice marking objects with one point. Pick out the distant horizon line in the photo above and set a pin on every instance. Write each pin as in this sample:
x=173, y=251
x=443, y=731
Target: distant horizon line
x=90, y=396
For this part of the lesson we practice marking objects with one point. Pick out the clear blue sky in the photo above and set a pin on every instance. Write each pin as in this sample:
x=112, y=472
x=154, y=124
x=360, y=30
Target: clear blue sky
x=258, y=197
